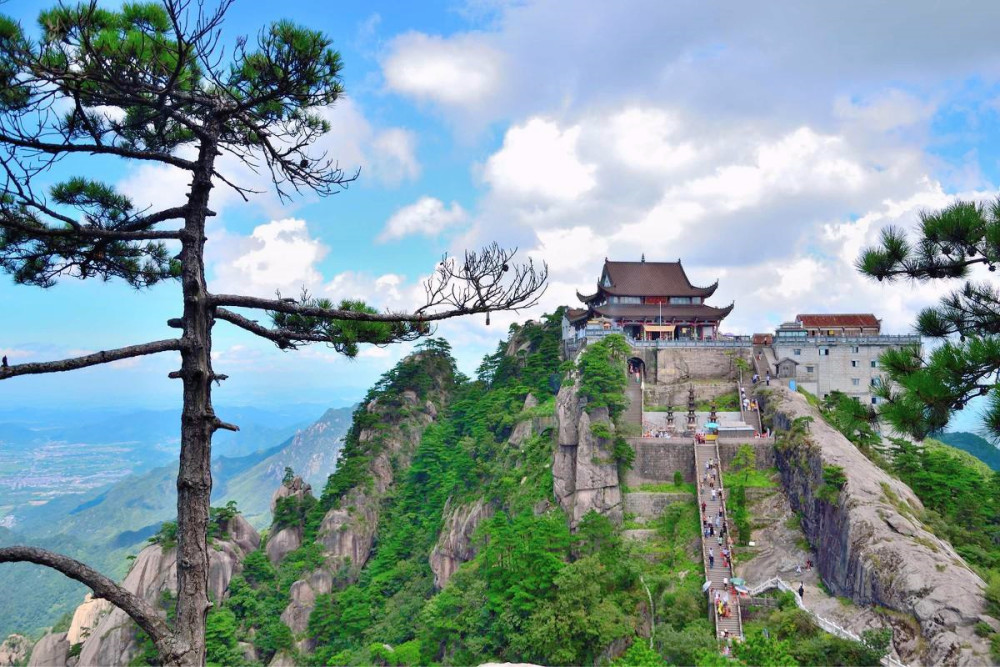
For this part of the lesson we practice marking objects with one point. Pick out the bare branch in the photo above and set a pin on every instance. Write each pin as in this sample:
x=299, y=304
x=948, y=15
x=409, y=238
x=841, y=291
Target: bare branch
x=138, y=609
x=91, y=359
x=484, y=282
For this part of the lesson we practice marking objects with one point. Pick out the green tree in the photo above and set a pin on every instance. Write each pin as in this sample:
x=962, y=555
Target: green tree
x=760, y=649
x=925, y=389
x=744, y=461
x=151, y=83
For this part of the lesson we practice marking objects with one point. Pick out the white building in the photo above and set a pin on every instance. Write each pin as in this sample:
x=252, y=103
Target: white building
x=826, y=353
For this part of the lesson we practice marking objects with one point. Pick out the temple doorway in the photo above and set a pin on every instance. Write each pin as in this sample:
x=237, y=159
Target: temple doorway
x=636, y=369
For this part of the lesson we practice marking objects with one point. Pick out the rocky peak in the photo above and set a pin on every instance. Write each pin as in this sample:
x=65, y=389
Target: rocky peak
x=107, y=634
x=870, y=543
x=584, y=473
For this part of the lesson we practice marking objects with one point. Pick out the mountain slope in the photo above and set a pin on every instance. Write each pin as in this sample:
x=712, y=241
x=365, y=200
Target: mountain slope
x=973, y=444
x=104, y=526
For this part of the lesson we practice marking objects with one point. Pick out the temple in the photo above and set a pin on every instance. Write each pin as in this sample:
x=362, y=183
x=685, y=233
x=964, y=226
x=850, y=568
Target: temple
x=647, y=301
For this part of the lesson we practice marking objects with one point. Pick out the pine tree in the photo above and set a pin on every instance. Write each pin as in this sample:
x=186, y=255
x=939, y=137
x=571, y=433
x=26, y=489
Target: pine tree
x=151, y=84
x=923, y=391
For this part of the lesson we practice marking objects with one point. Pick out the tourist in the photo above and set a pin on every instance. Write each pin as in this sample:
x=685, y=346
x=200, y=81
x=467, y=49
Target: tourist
x=711, y=560
x=809, y=564
x=798, y=569
x=802, y=590
x=713, y=495
x=767, y=378
x=746, y=404
x=704, y=506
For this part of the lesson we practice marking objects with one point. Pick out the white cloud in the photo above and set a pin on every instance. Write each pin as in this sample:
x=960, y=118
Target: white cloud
x=427, y=216
x=279, y=255
x=539, y=160
x=394, y=156
x=459, y=72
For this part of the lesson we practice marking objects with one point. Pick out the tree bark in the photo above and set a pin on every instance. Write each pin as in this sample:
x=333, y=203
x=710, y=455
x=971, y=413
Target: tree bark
x=198, y=421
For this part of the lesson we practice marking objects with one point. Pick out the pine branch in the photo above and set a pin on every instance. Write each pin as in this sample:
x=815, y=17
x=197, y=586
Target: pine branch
x=138, y=609
x=285, y=339
x=96, y=149
x=95, y=359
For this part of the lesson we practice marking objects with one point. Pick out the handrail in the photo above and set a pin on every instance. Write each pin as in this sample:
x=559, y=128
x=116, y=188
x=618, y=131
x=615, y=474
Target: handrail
x=825, y=623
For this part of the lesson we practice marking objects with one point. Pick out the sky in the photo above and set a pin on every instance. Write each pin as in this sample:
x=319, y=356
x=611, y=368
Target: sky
x=764, y=144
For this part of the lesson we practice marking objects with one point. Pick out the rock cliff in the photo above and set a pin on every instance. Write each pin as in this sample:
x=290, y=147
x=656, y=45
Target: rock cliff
x=455, y=545
x=584, y=472
x=107, y=634
x=14, y=650
x=348, y=530
x=870, y=543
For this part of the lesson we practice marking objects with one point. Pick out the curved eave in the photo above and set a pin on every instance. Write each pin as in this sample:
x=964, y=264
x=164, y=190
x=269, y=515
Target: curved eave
x=587, y=298
x=706, y=292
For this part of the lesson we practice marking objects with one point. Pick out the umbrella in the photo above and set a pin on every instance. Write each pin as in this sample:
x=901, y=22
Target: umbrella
x=738, y=581
x=711, y=425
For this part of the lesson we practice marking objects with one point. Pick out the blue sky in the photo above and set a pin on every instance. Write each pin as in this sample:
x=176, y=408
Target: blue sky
x=763, y=145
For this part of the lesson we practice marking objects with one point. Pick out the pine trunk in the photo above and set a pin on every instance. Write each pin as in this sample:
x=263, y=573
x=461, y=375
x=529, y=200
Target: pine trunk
x=194, y=478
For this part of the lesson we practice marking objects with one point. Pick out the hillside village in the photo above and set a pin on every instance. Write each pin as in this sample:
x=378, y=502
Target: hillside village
x=696, y=471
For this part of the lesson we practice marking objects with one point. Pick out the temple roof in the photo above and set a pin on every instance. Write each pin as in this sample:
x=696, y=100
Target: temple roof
x=650, y=279
x=653, y=311
x=576, y=314
x=839, y=320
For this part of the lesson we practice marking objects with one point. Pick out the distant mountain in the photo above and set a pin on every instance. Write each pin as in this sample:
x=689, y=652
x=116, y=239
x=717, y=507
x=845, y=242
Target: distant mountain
x=46, y=454
x=311, y=453
x=104, y=525
x=979, y=447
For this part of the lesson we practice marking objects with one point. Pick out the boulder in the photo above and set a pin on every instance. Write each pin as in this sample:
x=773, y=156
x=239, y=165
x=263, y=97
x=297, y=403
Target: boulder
x=870, y=543
x=52, y=650
x=303, y=595
x=86, y=617
x=454, y=545
x=14, y=650
x=282, y=659
x=283, y=542
x=112, y=640
x=296, y=488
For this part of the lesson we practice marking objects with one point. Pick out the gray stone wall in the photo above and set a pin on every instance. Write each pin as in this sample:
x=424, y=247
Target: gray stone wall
x=763, y=450
x=674, y=365
x=657, y=460
x=652, y=504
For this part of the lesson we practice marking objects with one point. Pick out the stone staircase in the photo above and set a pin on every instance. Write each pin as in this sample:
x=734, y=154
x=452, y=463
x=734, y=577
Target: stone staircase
x=633, y=413
x=717, y=575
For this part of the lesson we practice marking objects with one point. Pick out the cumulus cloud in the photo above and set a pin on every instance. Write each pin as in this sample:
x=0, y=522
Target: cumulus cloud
x=458, y=72
x=280, y=255
x=427, y=216
x=394, y=156
x=539, y=160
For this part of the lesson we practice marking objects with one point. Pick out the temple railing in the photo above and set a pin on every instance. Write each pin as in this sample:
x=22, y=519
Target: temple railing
x=894, y=339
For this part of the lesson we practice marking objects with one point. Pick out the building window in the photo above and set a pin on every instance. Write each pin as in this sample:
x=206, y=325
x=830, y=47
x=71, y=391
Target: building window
x=854, y=363
x=810, y=369
x=824, y=352
x=797, y=352
x=696, y=299
x=857, y=399
x=680, y=300
x=874, y=400
x=626, y=299
x=855, y=349
x=856, y=382
x=874, y=382
x=874, y=363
